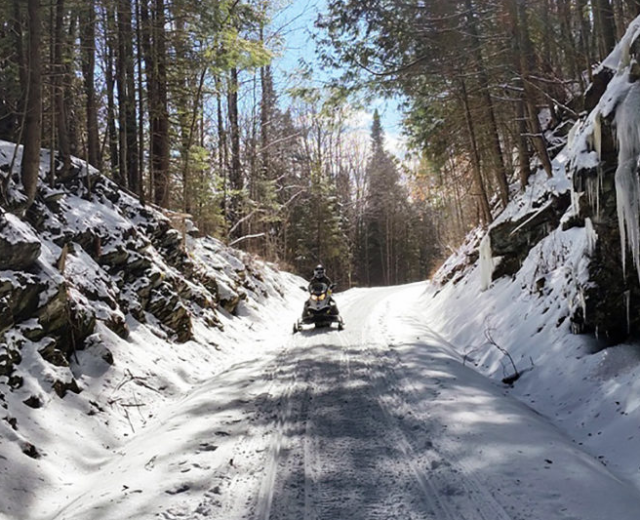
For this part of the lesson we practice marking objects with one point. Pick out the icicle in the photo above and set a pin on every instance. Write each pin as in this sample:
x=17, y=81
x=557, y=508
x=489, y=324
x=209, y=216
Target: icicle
x=593, y=187
x=575, y=200
x=591, y=198
x=572, y=134
x=486, y=262
x=600, y=187
x=627, y=297
x=578, y=308
x=597, y=135
x=583, y=304
x=592, y=236
x=626, y=177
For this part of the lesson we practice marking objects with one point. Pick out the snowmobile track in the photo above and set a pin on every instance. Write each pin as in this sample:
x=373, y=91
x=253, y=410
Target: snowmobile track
x=452, y=491
x=335, y=437
x=446, y=483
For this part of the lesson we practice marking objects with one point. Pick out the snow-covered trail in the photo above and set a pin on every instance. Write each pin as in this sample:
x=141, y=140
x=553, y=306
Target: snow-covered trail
x=379, y=421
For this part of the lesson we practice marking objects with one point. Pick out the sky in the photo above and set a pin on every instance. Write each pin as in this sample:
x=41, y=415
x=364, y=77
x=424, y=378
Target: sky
x=296, y=26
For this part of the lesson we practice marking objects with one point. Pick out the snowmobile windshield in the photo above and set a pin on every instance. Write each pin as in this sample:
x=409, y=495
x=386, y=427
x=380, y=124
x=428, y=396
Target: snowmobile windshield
x=318, y=288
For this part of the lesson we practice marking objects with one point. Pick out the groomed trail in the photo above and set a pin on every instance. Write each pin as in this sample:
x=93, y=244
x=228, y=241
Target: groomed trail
x=379, y=421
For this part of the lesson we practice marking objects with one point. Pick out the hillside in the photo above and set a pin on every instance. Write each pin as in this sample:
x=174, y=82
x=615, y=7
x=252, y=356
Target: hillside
x=548, y=297
x=109, y=313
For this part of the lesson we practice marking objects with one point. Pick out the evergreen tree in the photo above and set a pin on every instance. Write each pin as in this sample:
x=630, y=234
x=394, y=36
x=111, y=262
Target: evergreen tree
x=33, y=106
x=382, y=216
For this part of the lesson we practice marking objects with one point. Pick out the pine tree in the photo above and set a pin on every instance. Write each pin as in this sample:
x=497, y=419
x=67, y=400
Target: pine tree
x=88, y=59
x=382, y=214
x=33, y=108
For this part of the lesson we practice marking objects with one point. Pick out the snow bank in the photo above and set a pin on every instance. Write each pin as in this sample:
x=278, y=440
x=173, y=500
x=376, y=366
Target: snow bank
x=587, y=388
x=587, y=391
x=118, y=316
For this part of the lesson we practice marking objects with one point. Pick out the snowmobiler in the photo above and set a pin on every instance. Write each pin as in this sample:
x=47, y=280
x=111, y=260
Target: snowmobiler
x=320, y=309
x=320, y=276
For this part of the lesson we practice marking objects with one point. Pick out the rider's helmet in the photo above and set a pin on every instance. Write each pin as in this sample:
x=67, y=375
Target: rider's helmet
x=318, y=271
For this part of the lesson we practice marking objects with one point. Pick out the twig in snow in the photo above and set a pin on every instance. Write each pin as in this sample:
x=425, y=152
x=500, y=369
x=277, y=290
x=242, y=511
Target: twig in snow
x=467, y=355
x=507, y=380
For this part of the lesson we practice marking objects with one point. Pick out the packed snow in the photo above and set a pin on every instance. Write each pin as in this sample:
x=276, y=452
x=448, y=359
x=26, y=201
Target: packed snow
x=387, y=419
x=402, y=415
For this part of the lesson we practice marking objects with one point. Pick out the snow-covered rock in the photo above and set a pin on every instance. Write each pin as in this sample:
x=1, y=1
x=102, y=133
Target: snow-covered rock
x=596, y=187
x=97, y=289
x=19, y=246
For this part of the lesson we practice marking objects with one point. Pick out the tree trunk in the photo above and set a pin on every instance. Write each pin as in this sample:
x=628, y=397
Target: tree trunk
x=222, y=146
x=633, y=7
x=190, y=132
x=88, y=42
x=235, y=173
x=520, y=111
x=139, y=30
x=69, y=93
x=146, y=31
x=131, y=118
x=575, y=65
x=127, y=99
x=112, y=132
x=14, y=119
x=495, y=150
x=159, y=111
x=266, y=113
x=19, y=47
x=60, y=79
x=33, y=113
x=584, y=39
x=605, y=21
x=547, y=38
x=618, y=14
x=475, y=158
x=526, y=58
x=121, y=85
x=523, y=150
x=187, y=109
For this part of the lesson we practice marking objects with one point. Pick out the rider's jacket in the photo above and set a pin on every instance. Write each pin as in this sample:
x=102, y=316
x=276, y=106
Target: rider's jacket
x=321, y=279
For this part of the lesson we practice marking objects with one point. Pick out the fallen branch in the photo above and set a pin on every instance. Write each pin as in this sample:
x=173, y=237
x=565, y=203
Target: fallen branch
x=507, y=380
x=246, y=237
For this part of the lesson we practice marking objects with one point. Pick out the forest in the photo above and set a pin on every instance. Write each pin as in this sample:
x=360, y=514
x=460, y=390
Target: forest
x=175, y=100
x=171, y=172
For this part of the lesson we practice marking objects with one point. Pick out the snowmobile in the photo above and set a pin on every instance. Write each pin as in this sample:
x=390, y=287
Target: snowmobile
x=320, y=309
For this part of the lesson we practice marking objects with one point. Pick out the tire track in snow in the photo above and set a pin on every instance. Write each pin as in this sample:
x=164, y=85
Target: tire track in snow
x=284, y=490
x=352, y=466
x=245, y=487
x=472, y=499
x=430, y=495
x=267, y=487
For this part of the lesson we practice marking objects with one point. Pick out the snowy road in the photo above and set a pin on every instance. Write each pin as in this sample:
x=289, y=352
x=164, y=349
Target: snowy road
x=379, y=421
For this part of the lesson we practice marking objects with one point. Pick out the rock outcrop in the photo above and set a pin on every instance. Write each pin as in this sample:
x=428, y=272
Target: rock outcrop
x=612, y=299
x=84, y=257
x=19, y=246
x=602, y=149
x=512, y=239
x=606, y=300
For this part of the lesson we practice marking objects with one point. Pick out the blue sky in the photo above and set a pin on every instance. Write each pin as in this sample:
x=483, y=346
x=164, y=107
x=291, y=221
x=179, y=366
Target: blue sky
x=295, y=23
